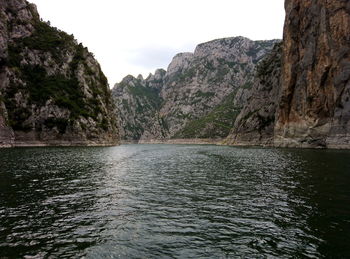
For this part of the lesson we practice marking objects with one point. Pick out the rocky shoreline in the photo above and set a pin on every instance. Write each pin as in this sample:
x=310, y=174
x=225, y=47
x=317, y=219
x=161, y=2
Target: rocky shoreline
x=196, y=141
x=59, y=144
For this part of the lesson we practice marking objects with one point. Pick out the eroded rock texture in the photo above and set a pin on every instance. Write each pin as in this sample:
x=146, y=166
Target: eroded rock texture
x=139, y=101
x=314, y=109
x=199, y=96
x=256, y=121
x=52, y=90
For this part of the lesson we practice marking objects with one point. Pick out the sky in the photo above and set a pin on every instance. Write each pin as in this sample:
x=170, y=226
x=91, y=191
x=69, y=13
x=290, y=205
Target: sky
x=138, y=36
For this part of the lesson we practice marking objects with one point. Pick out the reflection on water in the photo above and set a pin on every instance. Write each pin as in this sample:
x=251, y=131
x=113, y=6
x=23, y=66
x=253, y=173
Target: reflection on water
x=146, y=201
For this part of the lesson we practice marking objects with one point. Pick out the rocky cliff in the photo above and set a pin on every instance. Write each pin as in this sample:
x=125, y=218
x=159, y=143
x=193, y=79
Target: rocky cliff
x=198, y=96
x=303, y=101
x=314, y=108
x=296, y=96
x=52, y=90
x=255, y=123
x=139, y=104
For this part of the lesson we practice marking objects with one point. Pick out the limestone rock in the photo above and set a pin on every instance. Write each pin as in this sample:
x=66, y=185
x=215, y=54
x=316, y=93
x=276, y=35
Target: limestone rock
x=138, y=103
x=52, y=90
x=197, y=97
x=314, y=108
x=305, y=101
x=180, y=63
x=256, y=121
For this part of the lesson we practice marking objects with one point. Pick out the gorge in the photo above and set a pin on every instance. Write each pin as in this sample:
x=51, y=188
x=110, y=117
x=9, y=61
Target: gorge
x=70, y=188
x=238, y=92
x=197, y=97
x=232, y=91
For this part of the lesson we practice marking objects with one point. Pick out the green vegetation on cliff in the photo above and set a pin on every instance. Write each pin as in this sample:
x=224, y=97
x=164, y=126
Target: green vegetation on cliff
x=54, y=90
x=216, y=124
x=63, y=90
x=150, y=94
x=44, y=38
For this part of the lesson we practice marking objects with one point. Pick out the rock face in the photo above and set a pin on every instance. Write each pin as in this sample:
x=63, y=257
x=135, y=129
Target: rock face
x=305, y=102
x=299, y=95
x=139, y=102
x=256, y=121
x=52, y=90
x=198, y=96
x=314, y=108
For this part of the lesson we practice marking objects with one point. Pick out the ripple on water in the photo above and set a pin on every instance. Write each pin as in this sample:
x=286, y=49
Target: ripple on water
x=146, y=201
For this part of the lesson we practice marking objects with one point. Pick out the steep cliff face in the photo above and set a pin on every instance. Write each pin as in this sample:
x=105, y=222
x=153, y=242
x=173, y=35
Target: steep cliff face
x=139, y=103
x=52, y=90
x=299, y=96
x=305, y=102
x=256, y=121
x=314, y=108
x=199, y=95
x=216, y=69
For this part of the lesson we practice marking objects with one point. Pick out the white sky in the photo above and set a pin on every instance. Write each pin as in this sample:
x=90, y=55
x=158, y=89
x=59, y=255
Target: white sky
x=139, y=36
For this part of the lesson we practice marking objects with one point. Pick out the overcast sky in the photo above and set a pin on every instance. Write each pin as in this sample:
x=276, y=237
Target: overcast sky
x=139, y=36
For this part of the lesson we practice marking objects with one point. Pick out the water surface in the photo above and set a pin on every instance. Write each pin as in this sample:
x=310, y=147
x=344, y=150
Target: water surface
x=174, y=201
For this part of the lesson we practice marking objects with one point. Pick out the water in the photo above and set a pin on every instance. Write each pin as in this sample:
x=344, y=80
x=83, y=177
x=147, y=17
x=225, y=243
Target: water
x=162, y=201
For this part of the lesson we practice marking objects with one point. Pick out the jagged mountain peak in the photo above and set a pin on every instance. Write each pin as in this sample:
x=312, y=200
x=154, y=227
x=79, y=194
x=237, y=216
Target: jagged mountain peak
x=140, y=77
x=230, y=42
x=180, y=62
x=129, y=78
x=193, y=85
x=158, y=75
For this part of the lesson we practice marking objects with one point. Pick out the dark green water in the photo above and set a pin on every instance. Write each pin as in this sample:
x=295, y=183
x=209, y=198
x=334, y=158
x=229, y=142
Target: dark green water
x=161, y=201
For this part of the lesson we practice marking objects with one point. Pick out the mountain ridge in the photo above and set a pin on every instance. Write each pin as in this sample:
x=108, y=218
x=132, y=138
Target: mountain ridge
x=191, y=87
x=297, y=96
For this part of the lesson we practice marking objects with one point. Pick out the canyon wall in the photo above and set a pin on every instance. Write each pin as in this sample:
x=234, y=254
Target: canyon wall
x=314, y=106
x=52, y=90
x=303, y=98
x=294, y=95
x=256, y=121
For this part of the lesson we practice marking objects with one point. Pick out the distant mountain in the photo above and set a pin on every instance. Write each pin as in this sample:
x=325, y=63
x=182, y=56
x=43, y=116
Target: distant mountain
x=198, y=96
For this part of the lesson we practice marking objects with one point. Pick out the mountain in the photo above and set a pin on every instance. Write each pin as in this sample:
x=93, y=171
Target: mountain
x=198, y=96
x=255, y=123
x=52, y=90
x=295, y=94
x=139, y=103
x=304, y=101
x=314, y=106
